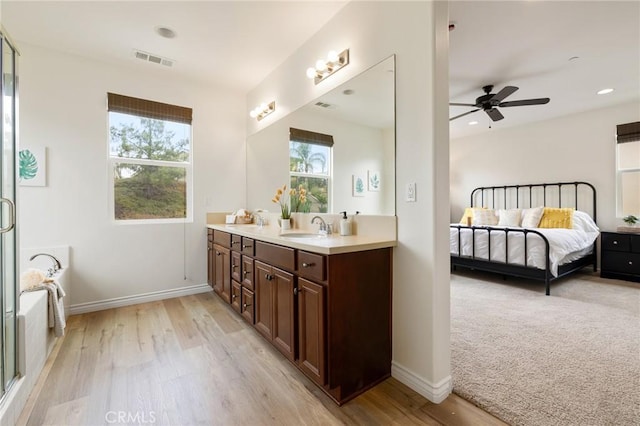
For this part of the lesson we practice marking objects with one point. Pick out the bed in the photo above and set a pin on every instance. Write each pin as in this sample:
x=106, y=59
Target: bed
x=541, y=231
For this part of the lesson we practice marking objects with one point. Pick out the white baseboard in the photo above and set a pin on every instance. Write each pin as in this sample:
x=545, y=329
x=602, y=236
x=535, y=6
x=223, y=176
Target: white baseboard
x=434, y=392
x=117, y=302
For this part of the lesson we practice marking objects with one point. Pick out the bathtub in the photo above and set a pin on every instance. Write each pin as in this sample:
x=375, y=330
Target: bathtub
x=35, y=338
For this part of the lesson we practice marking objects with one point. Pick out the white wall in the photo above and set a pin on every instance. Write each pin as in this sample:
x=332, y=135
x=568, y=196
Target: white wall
x=411, y=30
x=575, y=147
x=63, y=107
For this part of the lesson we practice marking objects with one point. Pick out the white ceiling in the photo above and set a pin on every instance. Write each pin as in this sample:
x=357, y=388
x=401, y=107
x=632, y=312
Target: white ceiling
x=236, y=43
x=528, y=44
x=229, y=43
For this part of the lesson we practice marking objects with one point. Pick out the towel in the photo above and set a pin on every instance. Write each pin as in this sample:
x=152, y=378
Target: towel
x=55, y=304
x=56, y=307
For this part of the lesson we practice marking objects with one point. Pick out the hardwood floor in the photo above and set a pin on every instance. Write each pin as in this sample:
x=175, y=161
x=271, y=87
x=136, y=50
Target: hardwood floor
x=193, y=361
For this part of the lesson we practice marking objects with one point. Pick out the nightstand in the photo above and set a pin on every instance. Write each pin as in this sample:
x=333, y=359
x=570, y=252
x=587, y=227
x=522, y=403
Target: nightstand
x=620, y=256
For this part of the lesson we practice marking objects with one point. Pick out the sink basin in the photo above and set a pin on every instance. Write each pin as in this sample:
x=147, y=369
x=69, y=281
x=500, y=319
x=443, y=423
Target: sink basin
x=301, y=235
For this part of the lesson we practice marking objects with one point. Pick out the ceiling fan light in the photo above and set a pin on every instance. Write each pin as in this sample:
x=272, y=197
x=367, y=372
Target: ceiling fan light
x=604, y=91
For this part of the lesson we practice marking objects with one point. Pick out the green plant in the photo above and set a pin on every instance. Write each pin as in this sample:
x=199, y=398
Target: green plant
x=630, y=220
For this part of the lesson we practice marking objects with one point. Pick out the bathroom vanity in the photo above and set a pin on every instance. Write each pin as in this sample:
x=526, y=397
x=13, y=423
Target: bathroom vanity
x=323, y=302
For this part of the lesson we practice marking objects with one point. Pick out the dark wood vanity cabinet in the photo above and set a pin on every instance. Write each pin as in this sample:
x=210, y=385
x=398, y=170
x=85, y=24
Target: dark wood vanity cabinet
x=221, y=272
x=328, y=314
x=210, y=259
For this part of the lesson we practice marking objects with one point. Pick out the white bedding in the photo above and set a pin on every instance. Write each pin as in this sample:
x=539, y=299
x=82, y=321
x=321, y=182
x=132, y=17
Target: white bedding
x=565, y=245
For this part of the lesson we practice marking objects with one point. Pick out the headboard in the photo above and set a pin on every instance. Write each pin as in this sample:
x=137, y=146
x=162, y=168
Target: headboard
x=579, y=195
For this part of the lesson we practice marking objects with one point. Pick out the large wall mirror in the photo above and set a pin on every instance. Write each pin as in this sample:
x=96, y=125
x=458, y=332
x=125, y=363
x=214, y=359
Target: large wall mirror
x=359, y=115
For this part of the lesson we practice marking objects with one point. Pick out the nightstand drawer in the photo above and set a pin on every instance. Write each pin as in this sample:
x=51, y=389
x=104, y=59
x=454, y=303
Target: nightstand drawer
x=626, y=263
x=616, y=242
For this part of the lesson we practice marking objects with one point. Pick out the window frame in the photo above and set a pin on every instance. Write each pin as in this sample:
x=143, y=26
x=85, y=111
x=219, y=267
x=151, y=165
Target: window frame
x=319, y=139
x=114, y=160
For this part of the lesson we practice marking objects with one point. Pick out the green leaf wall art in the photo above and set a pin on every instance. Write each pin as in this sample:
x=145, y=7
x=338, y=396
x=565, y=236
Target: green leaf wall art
x=31, y=166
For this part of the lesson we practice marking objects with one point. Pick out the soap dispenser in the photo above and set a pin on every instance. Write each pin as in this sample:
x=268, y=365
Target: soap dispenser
x=345, y=224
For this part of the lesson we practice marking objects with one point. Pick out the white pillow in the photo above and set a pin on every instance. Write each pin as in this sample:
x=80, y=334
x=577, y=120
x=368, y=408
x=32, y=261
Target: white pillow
x=484, y=217
x=531, y=217
x=511, y=217
x=583, y=222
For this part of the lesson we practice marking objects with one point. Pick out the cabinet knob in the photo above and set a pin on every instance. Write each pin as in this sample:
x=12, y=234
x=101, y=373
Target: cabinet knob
x=208, y=248
x=246, y=305
x=307, y=265
x=268, y=277
x=235, y=242
x=295, y=291
x=244, y=246
x=218, y=253
x=233, y=296
x=615, y=243
x=245, y=273
x=234, y=266
x=630, y=263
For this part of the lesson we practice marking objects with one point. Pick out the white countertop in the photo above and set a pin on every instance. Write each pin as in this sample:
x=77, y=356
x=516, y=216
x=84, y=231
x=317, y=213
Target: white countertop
x=330, y=244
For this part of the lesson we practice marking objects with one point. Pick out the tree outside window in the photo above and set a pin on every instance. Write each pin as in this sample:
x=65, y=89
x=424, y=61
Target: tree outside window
x=309, y=168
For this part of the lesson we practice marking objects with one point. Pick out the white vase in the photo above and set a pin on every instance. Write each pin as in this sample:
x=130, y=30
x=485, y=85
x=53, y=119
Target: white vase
x=285, y=223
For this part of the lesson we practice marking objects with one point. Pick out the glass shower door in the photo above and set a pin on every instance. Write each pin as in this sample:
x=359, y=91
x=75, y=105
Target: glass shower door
x=8, y=269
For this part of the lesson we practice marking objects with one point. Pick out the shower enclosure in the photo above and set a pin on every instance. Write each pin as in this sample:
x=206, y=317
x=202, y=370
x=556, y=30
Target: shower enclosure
x=8, y=239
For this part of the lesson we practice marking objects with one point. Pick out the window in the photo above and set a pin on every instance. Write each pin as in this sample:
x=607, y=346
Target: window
x=628, y=169
x=310, y=168
x=150, y=160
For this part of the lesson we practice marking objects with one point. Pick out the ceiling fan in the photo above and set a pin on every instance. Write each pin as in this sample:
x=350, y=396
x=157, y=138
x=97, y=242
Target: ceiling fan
x=489, y=102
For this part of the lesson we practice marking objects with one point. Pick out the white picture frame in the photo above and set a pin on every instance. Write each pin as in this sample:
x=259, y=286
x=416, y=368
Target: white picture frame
x=373, y=181
x=358, y=185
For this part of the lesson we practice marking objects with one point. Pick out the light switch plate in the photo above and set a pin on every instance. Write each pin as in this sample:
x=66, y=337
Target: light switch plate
x=411, y=192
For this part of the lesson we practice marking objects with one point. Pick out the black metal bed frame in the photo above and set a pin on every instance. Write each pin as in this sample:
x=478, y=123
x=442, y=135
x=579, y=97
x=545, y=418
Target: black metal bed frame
x=505, y=195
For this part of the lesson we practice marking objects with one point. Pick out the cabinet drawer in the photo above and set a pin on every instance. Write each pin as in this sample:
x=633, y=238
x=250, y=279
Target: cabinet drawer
x=236, y=242
x=616, y=242
x=635, y=243
x=282, y=257
x=222, y=238
x=247, y=246
x=236, y=265
x=626, y=263
x=247, y=272
x=246, y=309
x=210, y=235
x=236, y=296
x=311, y=266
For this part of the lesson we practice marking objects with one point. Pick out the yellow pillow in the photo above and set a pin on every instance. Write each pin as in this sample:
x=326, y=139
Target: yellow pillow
x=468, y=213
x=556, y=218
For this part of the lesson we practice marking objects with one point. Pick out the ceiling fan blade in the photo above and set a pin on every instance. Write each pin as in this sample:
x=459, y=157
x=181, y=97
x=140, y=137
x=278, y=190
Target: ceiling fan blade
x=508, y=90
x=457, y=104
x=539, y=101
x=494, y=114
x=462, y=115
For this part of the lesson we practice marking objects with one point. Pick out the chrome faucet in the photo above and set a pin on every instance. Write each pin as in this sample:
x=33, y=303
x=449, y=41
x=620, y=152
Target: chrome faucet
x=56, y=263
x=324, y=228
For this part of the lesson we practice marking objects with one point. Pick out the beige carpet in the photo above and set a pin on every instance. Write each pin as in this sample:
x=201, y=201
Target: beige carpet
x=572, y=358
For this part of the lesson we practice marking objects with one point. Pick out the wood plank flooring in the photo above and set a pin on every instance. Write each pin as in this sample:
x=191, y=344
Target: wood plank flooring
x=194, y=361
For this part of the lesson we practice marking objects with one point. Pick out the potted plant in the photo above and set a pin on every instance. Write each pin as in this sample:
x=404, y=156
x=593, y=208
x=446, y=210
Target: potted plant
x=630, y=220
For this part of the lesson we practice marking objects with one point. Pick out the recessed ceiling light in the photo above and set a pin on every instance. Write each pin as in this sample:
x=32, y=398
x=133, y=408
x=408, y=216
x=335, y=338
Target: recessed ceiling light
x=165, y=32
x=604, y=91
x=473, y=123
x=573, y=58
x=348, y=92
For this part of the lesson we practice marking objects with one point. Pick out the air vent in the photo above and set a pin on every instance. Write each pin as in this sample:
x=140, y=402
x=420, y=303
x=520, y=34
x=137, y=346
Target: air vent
x=324, y=105
x=150, y=57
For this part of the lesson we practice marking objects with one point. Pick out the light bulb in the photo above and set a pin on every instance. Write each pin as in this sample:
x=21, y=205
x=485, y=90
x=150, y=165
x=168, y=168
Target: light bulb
x=253, y=113
x=333, y=56
x=311, y=72
x=263, y=107
x=321, y=65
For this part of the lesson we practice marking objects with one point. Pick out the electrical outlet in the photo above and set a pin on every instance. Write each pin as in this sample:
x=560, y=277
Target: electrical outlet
x=411, y=192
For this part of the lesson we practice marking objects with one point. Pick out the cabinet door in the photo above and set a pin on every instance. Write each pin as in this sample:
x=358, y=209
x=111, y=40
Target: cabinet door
x=222, y=266
x=210, y=263
x=264, y=299
x=236, y=264
x=311, y=330
x=236, y=296
x=284, y=323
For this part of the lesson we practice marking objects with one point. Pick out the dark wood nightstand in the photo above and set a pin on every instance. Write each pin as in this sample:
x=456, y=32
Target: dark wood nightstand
x=620, y=256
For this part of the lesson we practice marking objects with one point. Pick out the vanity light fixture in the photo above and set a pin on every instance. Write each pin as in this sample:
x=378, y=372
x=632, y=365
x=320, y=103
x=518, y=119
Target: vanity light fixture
x=324, y=68
x=263, y=110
